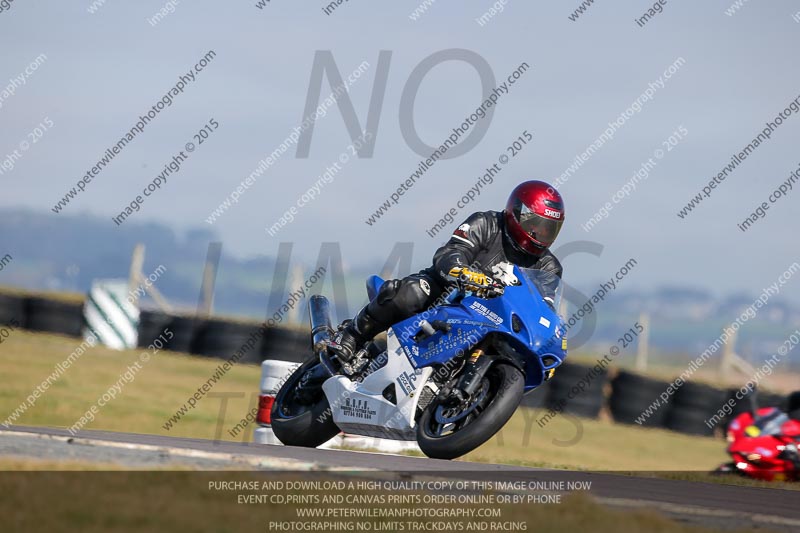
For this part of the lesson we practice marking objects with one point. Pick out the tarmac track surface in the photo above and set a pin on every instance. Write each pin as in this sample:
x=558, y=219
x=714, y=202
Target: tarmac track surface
x=709, y=504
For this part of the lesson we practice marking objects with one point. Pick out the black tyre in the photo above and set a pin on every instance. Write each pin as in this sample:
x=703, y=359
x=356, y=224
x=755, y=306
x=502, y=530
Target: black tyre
x=449, y=433
x=184, y=333
x=771, y=399
x=54, y=316
x=627, y=414
x=12, y=310
x=693, y=405
x=308, y=424
x=152, y=325
x=700, y=397
x=222, y=339
x=689, y=422
x=566, y=395
x=570, y=373
x=638, y=389
x=584, y=406
x=286, y=344
x=631, y=397
x=743, y=405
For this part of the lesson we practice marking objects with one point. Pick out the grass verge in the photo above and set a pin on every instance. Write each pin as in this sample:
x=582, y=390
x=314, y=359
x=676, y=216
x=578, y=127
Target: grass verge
x=168, y=380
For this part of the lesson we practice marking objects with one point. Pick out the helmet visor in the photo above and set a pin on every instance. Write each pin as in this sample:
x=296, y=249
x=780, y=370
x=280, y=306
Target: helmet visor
x=541, y=229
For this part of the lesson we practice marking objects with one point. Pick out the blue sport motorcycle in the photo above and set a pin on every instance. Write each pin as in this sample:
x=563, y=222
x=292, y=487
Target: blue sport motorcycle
x=448, y=378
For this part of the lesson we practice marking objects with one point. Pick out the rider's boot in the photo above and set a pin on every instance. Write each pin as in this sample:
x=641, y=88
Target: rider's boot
x=353, y=334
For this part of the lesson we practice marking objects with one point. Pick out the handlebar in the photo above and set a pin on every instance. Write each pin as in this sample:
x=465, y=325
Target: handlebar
x=489, y=289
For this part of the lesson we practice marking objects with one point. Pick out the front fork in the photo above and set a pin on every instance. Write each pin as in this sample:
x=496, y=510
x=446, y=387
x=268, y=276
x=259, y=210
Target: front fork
x=470, y=379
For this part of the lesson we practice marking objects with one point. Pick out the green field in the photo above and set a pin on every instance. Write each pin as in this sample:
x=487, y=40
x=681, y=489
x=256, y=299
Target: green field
x=169, y=379
x=144, y=405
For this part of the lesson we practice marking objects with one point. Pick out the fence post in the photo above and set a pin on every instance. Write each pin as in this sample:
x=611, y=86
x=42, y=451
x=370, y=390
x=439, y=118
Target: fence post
x=643, y=345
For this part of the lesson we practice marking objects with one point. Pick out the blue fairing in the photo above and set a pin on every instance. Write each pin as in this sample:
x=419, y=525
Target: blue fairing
x=539, y=334
x=373, y=286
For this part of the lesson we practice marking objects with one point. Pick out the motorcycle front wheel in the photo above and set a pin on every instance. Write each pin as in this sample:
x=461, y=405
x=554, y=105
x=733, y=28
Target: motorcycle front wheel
x=302, y=418
x=445, y=432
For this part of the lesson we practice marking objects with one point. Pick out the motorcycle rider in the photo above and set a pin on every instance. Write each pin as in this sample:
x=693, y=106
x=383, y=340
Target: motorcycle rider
x=483, y=245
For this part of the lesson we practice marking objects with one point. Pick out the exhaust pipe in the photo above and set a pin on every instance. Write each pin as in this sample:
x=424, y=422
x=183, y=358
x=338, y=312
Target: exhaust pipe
x=319, y=312
x=320, y=315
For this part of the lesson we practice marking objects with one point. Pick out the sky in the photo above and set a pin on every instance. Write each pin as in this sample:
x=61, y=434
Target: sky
x=104, y=69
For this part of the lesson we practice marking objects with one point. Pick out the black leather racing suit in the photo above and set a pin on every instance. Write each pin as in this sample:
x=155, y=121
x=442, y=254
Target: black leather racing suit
x=480, y=243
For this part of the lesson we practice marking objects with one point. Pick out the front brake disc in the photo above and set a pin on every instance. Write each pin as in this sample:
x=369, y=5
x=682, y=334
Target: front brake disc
x=442, y=418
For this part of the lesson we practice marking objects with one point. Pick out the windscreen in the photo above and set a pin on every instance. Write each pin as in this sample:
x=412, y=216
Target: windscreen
x=547, y=283
x=771, y=424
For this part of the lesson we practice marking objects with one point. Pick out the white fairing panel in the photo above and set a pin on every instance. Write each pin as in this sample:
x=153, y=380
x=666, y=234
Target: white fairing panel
x=360, y=408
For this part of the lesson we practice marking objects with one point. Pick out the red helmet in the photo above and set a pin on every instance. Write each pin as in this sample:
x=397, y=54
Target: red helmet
x=534, y=215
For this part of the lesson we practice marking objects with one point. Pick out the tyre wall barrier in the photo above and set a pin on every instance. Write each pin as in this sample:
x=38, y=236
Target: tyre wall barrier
x=181, y=336
x=577, y=389
x=537, y=398
x=286, y=344
x=223, y=338
x=632, y=400
x=692, y=405
x=210, y=338
x=220, y=338
x=184, y=334
x=12, y=310
x=152, y=325
x=740, y=405
x=54, y=316
x=769, y=399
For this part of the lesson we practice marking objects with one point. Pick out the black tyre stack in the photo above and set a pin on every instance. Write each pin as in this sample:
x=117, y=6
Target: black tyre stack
x=54, y=316
x=631, y=397
x=183, y=330
x=286, y=344
x=12, y=310
x=739, y=406
x=222, y=339
x=537, y=398
x=692, y=405
x=563, y=391
x=771, y=399
x=151, y=326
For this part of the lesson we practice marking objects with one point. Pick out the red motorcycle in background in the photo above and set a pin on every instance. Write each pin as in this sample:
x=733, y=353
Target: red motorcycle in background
x=764, y=443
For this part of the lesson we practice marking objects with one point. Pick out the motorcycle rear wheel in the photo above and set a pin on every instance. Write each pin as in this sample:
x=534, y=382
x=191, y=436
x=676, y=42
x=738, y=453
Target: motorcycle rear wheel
x=297, y=423
x=494, y=403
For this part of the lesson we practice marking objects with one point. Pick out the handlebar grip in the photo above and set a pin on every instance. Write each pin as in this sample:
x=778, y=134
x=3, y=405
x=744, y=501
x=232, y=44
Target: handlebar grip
x=427, y=328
